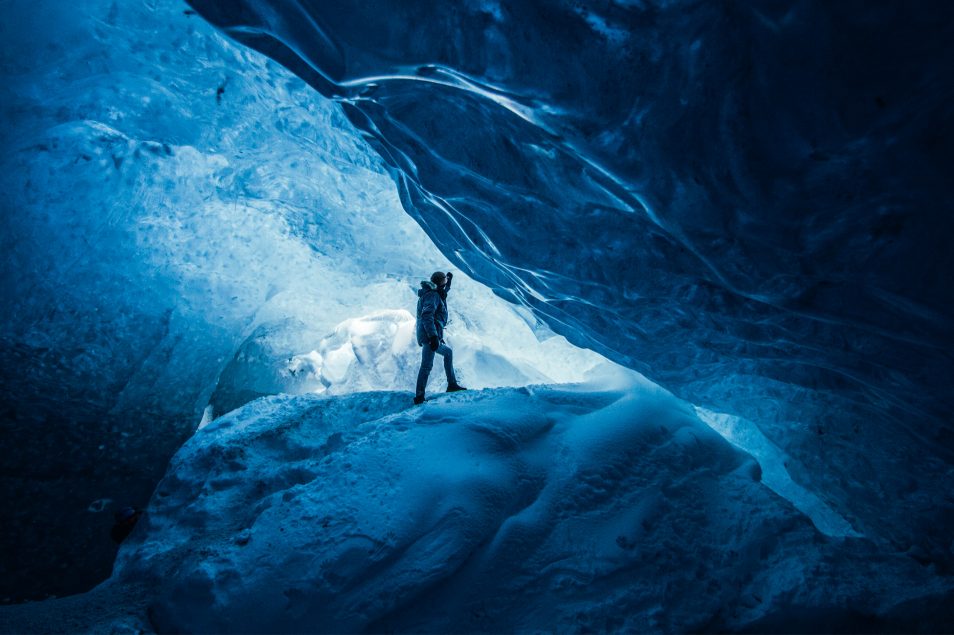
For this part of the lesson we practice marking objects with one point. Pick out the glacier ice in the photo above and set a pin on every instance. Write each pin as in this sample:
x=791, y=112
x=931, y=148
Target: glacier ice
x=772, y=462
x=750, y=203
x=747, y=202
x=168, y=197
x=379, y=351
x=548, y=508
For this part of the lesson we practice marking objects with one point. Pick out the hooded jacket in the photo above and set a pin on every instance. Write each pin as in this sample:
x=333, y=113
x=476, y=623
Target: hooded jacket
x=431, y=311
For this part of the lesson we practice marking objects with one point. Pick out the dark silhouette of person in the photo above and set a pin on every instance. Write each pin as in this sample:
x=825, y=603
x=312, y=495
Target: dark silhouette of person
x=431, y=320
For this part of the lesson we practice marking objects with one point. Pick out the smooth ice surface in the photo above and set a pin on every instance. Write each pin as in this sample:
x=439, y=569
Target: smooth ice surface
x=168, y=198
x=748, y=202
x=541, y=509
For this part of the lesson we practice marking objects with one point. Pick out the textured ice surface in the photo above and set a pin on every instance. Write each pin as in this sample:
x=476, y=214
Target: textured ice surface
x=168, y=196
x=542, y=509
x=750, y=203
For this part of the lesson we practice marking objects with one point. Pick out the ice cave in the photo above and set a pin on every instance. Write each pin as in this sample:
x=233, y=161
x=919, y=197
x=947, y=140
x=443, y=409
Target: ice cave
x=703, y=305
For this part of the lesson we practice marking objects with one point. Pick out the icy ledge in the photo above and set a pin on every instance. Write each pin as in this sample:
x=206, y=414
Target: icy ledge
x=554, y=508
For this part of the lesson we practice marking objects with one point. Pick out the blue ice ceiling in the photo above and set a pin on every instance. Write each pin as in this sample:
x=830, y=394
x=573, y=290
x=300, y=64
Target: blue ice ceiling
x=749, y=203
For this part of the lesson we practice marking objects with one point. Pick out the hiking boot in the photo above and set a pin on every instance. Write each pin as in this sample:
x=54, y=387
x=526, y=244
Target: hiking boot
x=418, y=400
x=455, y=388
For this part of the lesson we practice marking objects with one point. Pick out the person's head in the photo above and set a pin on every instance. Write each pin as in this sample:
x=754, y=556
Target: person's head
x=439, y=278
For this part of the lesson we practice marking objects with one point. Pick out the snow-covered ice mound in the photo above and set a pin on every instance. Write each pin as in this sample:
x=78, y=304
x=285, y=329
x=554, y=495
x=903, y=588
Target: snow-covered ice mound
x=379, y=351
x=525, y=509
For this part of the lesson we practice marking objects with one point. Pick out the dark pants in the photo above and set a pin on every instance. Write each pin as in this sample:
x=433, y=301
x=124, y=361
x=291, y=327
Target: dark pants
x=427, y=362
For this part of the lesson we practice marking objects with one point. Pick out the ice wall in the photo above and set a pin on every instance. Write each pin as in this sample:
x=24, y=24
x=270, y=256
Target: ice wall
x=171, y=200
x=748, y=202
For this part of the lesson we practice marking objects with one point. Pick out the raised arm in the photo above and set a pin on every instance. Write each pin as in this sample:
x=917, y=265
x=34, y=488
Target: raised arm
x=447, y=285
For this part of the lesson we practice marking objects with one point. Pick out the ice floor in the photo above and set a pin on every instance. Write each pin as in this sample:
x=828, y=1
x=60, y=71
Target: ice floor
x=606, y=507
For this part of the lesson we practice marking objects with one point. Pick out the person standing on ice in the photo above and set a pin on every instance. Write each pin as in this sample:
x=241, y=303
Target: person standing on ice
x=431, y=320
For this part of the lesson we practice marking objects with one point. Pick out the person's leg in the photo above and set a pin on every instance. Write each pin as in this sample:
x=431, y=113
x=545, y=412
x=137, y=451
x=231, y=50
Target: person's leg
x=445, y=351
x=427, y=362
